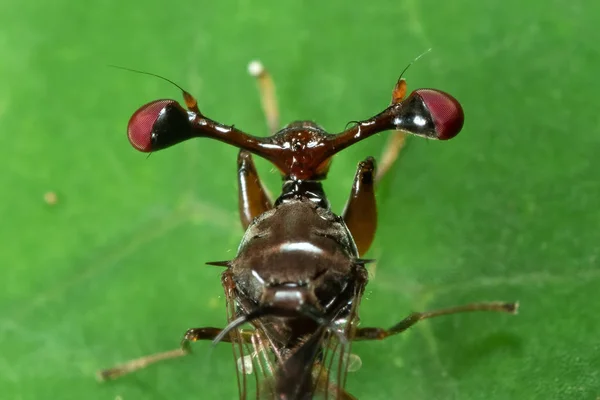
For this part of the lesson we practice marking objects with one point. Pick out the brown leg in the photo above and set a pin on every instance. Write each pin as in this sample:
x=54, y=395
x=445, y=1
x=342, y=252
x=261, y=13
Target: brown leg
x=191, y=335
x=253, y=197
x=380, y=333
x=195, y=334
x=363, y=215
x=360, y=213
x=266, y=88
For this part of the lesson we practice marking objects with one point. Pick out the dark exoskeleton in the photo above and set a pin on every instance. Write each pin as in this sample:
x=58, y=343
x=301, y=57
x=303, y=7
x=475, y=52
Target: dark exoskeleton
x=298, y=275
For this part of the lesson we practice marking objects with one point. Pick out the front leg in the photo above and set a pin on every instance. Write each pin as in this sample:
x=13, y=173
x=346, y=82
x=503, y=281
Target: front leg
x=253, y=197
x=360, y=213
x=191, y=335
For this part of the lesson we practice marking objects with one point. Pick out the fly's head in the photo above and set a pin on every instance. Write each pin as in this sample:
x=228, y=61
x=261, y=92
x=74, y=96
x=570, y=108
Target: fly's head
x=302, y=150
x=303, y=142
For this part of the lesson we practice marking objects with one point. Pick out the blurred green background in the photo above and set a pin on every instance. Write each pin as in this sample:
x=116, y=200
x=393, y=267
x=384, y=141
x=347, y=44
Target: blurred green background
x=114, y=270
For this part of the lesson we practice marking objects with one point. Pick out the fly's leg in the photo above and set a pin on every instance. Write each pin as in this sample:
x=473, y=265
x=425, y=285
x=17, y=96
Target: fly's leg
x=139, y=363
x=380, y=333
x=360, y=213
x=266, y=89
x=397, y=139
x=390, y=154
x=192, y=335
x=253, y=197
x=325, y=387
x=196, y=334
x=253, y=201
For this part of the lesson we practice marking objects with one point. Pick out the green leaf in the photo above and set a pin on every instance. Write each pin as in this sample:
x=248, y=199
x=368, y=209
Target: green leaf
x=509, y=210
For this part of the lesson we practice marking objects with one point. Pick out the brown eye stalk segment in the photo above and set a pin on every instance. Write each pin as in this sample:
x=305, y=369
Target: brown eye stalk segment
x=425, y=112
x=302, y=149
x=164, y=123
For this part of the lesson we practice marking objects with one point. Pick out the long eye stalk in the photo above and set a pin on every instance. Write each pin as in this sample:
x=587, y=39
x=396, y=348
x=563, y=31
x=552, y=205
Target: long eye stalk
x=297, y=150
x=425, y=112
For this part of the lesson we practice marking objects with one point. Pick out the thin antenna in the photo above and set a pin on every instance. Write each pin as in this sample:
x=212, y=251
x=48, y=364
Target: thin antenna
x=190, y=101
x=399, y=91
x=150, y=74
x=232, y=325
x=236, y=323
x=414, y=61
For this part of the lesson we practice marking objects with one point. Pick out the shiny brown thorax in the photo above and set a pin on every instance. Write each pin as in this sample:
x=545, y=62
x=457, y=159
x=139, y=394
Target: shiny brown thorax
x=299, y=255
x=298, y=264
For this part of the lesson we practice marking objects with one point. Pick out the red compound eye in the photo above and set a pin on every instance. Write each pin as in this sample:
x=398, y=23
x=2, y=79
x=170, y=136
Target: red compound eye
x=141, y=124
x=446, y=112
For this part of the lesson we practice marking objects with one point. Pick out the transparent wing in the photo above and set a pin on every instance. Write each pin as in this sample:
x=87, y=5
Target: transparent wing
x=337, y=359
x=256, y=357
x=316, y=369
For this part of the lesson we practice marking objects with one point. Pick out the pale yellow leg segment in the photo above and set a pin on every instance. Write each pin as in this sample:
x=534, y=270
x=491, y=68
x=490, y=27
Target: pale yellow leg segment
x=266, y=88
x=139, y=363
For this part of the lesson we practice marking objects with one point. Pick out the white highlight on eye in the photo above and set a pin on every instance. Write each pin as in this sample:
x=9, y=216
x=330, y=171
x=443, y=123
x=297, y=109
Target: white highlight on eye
x=255, y=68
x=420, y=121
x=301, y=246
x=245, y=365
x=354, y=363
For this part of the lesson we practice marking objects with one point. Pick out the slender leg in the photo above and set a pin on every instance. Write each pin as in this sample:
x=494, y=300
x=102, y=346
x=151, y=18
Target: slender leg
x=380, y=333
x=360, y=213
x=253, y=197
x=138, y=363
x=326, y=387
x=195, y=334
x=390, y=154
x=191, y=335
x=396, y=140
x=266, y=88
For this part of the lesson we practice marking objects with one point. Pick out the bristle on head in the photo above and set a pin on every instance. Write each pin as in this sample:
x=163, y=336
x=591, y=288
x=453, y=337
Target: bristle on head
x=226, y=263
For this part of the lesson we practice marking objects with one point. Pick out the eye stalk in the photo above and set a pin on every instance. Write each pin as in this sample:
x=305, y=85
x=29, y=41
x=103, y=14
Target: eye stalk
x=300, y=152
